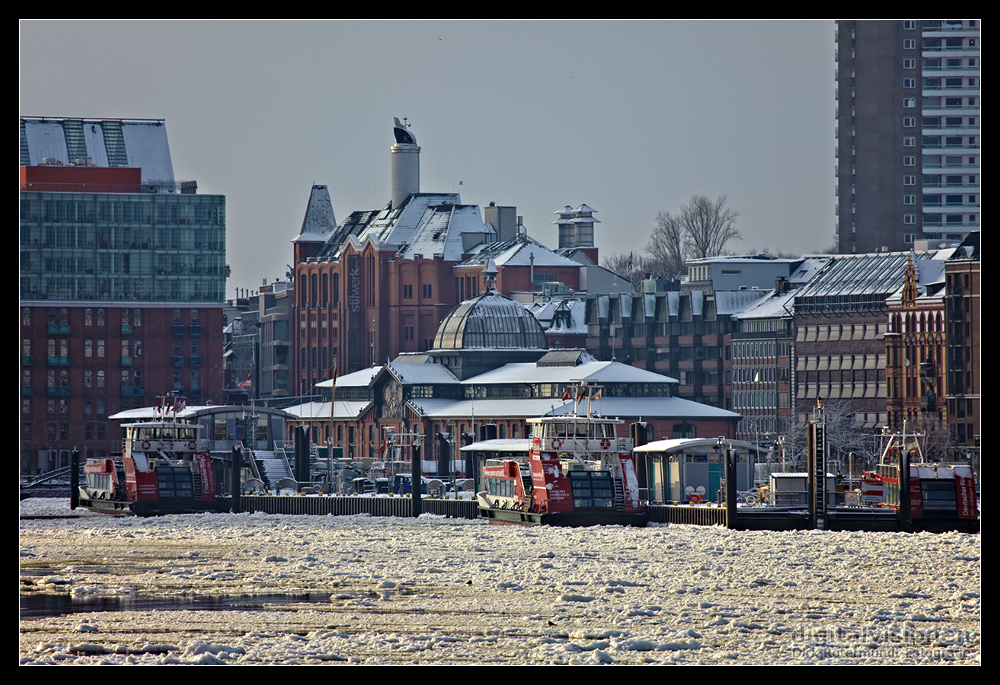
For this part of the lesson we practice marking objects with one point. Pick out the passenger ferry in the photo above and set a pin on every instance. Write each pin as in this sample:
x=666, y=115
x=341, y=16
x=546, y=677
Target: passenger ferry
x=941, y=497
x=578, y=473
x=162, y=470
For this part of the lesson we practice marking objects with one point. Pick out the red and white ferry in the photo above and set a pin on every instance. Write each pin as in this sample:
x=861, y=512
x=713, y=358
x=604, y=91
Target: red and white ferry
x=941, y=496
x=578, y=473
x=163, y=469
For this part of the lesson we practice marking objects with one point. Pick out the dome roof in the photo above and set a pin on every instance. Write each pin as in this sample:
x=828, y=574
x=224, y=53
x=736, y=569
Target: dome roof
x=490, y=320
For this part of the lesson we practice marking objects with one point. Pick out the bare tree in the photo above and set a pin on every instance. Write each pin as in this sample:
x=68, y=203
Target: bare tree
x=665, y=251
x=708, y=226
x=701, y=229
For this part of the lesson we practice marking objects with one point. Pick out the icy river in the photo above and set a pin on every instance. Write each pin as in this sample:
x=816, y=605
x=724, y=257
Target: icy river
x=270, y=589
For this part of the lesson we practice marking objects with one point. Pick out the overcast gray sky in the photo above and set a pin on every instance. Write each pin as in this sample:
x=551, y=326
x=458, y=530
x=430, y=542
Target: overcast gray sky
x=628, y=117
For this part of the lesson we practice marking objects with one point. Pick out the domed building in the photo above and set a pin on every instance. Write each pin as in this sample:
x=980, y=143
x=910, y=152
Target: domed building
x=485, y=332
x=489, y=372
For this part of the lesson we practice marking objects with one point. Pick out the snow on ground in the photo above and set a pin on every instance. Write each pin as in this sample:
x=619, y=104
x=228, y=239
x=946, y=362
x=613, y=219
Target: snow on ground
x=444, y=591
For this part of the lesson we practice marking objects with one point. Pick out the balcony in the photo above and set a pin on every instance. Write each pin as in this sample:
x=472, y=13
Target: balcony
x=58, y=361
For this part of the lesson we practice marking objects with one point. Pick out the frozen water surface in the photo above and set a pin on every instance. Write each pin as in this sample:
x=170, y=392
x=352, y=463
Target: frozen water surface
x=446, y=591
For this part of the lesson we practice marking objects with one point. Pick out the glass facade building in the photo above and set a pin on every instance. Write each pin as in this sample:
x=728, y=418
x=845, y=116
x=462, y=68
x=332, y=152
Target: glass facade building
x=130, y=247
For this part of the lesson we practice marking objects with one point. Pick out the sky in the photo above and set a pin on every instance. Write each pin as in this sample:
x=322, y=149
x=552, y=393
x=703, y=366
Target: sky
x=629, y=117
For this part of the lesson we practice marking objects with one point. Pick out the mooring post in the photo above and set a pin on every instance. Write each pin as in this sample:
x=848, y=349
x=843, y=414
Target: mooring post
x=74, y=479
x=416, y=477
x=235, y=481
x=731, y=489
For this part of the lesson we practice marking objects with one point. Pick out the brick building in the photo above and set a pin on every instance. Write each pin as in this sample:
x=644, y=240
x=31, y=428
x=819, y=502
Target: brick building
x=122, y=280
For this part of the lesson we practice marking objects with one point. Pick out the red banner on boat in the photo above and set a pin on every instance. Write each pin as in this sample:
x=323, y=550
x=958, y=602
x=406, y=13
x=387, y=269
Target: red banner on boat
x=965, y=493
x=207, y=476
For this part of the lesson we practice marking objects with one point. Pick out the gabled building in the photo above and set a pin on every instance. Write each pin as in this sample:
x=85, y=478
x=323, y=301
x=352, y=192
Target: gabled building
x=915, y=349
x=379, y=283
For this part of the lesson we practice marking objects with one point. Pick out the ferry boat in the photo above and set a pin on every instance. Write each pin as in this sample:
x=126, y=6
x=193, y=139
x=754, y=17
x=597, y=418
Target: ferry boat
x=941, y=496
x=162, y=470
x=578, y=473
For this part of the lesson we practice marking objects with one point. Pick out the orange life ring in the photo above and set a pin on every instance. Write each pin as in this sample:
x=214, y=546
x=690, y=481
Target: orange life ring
x=191, y=445
x=605, y=444
x=145, y=444
x=557, y=443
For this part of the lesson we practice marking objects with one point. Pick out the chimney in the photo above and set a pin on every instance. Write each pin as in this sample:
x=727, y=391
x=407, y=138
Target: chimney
x=405, y=164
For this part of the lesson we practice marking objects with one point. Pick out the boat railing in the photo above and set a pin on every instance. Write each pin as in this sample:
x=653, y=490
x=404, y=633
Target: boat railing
x=141, y=444
x=586, y=444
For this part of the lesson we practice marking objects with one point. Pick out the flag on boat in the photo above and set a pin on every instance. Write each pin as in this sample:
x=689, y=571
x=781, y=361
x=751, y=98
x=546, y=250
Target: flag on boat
x=246, y=383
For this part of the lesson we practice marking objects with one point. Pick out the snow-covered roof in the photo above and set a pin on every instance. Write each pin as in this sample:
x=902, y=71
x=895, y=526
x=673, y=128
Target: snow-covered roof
x=684, y=444
x=637, y=407
x=422, y=374
x=860, y=278
x=770, y=307
x=651, y=407
x=319, y=222
x=519, y=252
x=592, y=372
x=342, y=409
x=730, y=302
x=427, y=224
x=358, y=379
x=189, y=412
x=489, y=321
x=930, y=273
x=517, y=408
x=140, y=143
x=500, y=445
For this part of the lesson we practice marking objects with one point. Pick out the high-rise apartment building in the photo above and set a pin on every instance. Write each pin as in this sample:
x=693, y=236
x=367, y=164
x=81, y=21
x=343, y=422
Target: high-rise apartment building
x=122, y=283
x=908, y=132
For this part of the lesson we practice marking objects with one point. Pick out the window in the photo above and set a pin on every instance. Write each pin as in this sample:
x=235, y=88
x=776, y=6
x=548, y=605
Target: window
x=909, y=180
x=909, y=122
x=908, y=238
x=909, y=199
x=909, y=44
x=909, y=63
x=909, y=218
x=909, y=160
x=909, y=103
x=909, y=83
x=909, y=141
x=909, y=25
